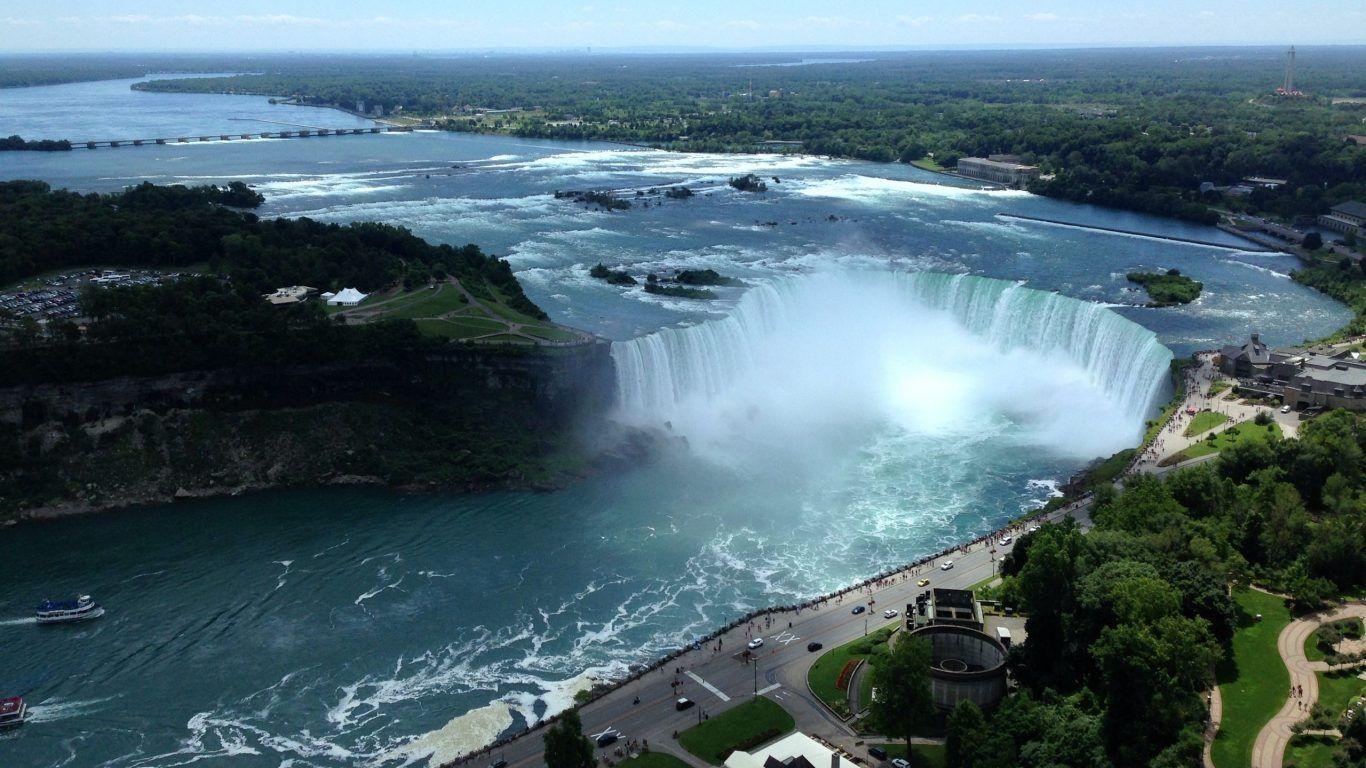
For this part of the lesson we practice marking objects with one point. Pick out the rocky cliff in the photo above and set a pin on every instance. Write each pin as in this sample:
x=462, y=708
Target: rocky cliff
x=472, y=417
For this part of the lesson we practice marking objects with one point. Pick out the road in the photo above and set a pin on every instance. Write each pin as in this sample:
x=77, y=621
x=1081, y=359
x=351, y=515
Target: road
x=719, y=680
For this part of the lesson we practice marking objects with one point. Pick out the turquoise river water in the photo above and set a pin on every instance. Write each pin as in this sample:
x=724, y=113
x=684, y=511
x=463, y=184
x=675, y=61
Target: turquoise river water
x=903, y=370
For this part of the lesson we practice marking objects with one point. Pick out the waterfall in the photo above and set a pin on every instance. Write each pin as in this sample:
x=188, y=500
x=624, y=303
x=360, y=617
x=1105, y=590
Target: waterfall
x=830, y=334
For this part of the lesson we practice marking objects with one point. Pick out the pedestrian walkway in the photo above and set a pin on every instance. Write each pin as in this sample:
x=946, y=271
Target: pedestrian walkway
x=1269, y=749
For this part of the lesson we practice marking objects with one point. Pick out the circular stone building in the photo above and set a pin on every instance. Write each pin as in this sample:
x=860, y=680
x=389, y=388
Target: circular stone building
x=966, y=664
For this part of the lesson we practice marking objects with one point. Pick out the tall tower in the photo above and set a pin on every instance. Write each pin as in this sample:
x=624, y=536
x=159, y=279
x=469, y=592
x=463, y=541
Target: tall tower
x=1289, y=86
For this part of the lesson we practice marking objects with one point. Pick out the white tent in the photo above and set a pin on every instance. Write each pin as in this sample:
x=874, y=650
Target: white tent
x=347, y=298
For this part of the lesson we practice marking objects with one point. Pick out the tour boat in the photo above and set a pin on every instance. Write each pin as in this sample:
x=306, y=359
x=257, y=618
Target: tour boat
x=12, y=711
x=80, y=609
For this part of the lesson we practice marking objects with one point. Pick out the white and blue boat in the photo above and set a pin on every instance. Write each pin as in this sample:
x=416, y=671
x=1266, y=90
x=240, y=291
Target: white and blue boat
x=59, y=611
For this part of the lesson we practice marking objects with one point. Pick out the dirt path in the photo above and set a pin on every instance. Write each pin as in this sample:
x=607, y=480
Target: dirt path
x=1269, y=749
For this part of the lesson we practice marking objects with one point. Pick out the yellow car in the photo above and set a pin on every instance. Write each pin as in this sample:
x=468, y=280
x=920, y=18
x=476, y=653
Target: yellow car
x=923, y=583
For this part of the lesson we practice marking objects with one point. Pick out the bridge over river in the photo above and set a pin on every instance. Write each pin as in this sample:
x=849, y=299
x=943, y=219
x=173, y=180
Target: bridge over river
x=301, y=133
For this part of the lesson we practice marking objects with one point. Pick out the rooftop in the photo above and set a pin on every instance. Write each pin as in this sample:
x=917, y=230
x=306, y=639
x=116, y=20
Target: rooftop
x=1351, y=208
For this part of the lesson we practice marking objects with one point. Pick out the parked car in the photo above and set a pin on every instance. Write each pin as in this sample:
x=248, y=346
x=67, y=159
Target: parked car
x=858, y=609
x=757, y=642
x=877, y=752
x=813, y=647
x=683, y=703
x=900, y=763
x=948, y=565
x=1285, y=409
x=890, y=613
x=1005, y=540
x=923, y=583
x=607, y=739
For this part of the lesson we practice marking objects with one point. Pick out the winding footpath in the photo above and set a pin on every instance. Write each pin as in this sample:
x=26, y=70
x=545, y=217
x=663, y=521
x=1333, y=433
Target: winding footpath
x=1269, y=749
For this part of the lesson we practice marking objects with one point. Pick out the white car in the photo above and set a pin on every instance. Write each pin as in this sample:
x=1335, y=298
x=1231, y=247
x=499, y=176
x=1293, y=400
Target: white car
x=890, y=613
x=948, y=565
x=1005, y=540
x=756, y=643
x=900, y=763
x=1285, y=409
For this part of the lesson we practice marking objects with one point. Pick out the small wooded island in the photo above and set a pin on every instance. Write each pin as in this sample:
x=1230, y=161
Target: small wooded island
x=681, y=285
x=1167, y=289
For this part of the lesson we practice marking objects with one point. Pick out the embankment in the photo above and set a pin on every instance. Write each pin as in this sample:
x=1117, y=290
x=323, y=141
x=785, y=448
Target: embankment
x=471, y=418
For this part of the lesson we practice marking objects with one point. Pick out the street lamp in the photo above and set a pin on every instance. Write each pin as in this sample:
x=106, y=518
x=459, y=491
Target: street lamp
x=756, y=678
x=865, y=626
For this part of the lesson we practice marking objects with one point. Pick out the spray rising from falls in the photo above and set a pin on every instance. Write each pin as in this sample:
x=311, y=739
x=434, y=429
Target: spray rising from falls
x=934, y=354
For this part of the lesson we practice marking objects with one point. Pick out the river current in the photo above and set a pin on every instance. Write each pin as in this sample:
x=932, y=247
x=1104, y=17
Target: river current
x=902, y=370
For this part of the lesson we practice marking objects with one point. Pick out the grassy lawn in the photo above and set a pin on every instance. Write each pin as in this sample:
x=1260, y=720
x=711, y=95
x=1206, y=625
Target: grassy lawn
x=1337, y=691
x=824, y=675
x=1204, y=421
x=1311, y=752
x=928, y=164
x=1218, y=387
x=1248, y=430
x=739, y=727
x=931, y=755
x=427, y=302
x=652, y=760
x=1254, y=682
x=549, y=333
x=1311, y=643
x=460, y=328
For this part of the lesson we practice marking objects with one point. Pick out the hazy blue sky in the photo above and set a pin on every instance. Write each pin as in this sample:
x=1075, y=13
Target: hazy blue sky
x=195, y=25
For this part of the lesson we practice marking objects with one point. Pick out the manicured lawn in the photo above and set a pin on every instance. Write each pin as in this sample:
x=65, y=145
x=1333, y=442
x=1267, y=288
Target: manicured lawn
x=460, y=327
x=824, y=674
x=427, y=302
x=714, y=739
x=1310, y=752
x=1204, y=421
x=1248, y=430
x=931, y=755
x=652, y=760
x=1216, y=387
x=1254, y=683
x=928, y=164
x=1311, y=643
x=548, y=332
x=1337, y=691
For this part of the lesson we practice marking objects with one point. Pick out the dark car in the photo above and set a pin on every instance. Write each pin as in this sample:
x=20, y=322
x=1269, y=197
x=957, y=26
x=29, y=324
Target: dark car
x=877, y=752
x=683, y=704
x=813, y=647
x=499, y=764
x=858, y=609
x=606, y=739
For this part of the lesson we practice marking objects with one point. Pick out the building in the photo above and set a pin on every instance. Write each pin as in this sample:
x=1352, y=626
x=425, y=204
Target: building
x=796, y=750
x=1348, y=218
x=1264, y=182
x=1011, y=174
x=349, y=297
x=965, y=661
x=1313, y=378
x=294, y=294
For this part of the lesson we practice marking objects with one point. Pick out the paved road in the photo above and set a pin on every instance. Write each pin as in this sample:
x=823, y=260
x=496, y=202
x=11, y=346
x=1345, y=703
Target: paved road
x=719, y=680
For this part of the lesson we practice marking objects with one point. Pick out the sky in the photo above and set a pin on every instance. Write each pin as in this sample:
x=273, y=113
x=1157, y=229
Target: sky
x=29, y=26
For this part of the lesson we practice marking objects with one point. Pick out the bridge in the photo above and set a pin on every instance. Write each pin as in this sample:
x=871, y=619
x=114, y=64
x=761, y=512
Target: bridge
x=295, y=134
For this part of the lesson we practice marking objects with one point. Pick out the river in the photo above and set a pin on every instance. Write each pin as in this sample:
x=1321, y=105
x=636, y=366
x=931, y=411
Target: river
x=903, y=370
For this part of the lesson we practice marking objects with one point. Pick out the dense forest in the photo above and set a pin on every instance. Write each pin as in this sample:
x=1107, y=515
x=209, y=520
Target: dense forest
x=19, y=144
x=1138, y=129
x=216, y=317
x=1127, y=623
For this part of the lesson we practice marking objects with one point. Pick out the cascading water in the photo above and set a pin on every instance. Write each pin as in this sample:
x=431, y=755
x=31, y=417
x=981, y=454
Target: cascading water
x=936, y=354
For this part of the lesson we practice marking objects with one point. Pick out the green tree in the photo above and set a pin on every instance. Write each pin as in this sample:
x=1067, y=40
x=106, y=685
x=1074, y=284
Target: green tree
x=966, y=727
x=1313, y=241
x=565, y=744
x=904, y=703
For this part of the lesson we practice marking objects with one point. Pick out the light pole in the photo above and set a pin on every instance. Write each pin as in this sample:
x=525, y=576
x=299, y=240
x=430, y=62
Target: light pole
x=756, y=678
x=865, y=626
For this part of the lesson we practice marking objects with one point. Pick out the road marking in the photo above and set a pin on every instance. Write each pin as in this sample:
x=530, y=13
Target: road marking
x=769, y=689
x=708, y=686
x=784, y=638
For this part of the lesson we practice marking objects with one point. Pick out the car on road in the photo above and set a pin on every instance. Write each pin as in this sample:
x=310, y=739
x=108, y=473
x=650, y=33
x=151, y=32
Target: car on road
x=1032, y=529
x=948, y=565
x=900, y=762
x=858, y=609
x=1005, y=540
x=498, y=764
x=890, y=613
x=683, y=703
x=1285, y=409
x=757, y=642
x=812, y=647
x=607, y=739
x=877, y=752
x=923, y=583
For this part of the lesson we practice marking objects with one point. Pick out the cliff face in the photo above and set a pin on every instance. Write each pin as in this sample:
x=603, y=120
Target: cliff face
x=474, y=417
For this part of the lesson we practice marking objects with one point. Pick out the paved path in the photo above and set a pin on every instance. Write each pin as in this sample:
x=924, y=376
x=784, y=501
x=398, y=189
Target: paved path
x=1216, y=716
x=1172, y=439
x=1269, y=749
x=718, y=679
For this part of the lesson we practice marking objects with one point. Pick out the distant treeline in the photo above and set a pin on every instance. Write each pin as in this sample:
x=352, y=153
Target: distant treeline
x=218, y=318
x=1137, y=129
x=18, y=144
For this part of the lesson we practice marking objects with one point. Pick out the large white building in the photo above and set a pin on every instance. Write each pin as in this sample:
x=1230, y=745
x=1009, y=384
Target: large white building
x=1011, y=174
x=796, y=750
x=349, y=297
